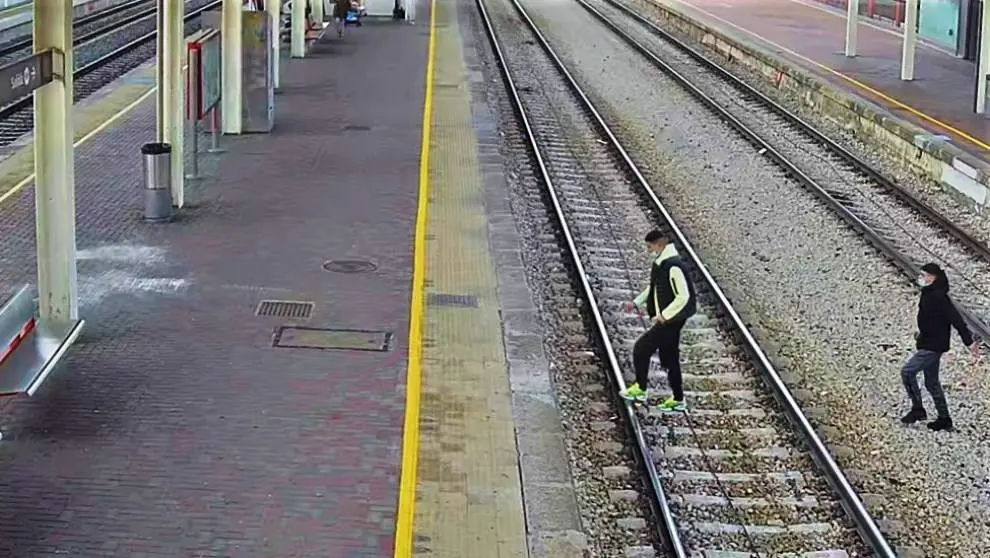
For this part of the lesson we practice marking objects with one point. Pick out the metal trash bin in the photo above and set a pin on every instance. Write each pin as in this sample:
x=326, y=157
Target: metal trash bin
x=157, y=159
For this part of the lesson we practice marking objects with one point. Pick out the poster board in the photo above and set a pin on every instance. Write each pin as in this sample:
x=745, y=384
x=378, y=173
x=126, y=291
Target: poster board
x=203, y=73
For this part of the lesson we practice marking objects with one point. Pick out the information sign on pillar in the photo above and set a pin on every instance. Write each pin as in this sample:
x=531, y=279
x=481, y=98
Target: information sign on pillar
x=20, y=78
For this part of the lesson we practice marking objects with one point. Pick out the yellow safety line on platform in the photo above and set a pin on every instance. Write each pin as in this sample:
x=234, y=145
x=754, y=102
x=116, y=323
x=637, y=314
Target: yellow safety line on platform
x=103, y=126
x=852, y=80
x=410, y=431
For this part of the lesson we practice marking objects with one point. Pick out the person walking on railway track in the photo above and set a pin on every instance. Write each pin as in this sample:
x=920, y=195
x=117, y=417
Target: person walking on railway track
x=936, y=316
x=670, y=300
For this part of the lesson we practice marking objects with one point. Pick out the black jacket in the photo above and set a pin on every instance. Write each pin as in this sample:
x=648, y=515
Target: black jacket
x=936, y=314
x=670, y=290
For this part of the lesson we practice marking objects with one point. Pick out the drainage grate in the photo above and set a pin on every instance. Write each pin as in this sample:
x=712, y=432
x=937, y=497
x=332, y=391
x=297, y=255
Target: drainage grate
x=285, y=309
x=356, y=128
x=463, y=301
x=349, y=266
x=291, y=337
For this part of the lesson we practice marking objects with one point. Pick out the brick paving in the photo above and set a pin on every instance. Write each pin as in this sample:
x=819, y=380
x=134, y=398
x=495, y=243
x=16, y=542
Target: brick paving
x=176, y=429
x=943, y=87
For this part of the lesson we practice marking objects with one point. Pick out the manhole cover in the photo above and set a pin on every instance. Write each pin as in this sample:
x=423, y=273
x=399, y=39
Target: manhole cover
x=292, y=337
x=349, y=266
x=285, y=309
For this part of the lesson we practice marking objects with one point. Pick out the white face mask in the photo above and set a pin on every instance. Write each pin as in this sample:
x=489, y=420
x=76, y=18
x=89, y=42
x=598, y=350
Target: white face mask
x=923, y=281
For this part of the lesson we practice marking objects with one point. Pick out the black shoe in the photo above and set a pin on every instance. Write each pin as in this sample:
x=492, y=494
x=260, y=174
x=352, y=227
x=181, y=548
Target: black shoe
x=941, y=423
x=914, y=416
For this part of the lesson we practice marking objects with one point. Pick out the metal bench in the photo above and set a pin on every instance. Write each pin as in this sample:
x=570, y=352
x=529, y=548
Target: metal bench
x=32, y=347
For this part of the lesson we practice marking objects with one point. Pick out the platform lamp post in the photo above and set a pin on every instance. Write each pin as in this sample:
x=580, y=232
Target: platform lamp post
x=54, y=182
x=852, y=25
x=910, y=40
x=170, y=96
x=232, y=67
x=298, y=31
x=274, y=9
x=984, y=60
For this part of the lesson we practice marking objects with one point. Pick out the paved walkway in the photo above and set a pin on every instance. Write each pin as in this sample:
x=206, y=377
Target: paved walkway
x=490, y=430
x=177, y=429
x=939, y=99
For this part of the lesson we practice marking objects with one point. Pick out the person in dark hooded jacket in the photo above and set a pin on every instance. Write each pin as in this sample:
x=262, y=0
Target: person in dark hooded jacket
x=936, y=315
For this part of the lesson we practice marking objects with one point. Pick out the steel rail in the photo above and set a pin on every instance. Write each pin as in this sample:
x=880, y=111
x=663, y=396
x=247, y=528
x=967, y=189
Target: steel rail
x=858, y=163
x=899, y=259
x=668, y=529
x=25, y=44
x=28, y=101
x=851, y=502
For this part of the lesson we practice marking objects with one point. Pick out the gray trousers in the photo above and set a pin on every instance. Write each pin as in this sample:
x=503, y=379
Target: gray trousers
x=928, y=362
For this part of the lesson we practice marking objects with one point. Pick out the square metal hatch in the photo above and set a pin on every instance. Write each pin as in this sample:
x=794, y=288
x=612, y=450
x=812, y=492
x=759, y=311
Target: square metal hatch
x=295, y=337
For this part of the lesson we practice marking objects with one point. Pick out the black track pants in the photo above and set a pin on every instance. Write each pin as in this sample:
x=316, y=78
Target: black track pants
x=665, y=339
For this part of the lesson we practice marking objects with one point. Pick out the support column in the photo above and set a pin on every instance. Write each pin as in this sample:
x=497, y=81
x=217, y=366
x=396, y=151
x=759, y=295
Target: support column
x=910, y=40
x=298, y=29
x=274, y=8
x=852, y=25
x=55, y=198
x=230, y=78
x=171, y=90
x=318, y=12
x=984, y=61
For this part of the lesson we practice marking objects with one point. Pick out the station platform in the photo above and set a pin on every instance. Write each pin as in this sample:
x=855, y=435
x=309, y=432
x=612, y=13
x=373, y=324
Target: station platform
x=810, y=35
x=370, y=414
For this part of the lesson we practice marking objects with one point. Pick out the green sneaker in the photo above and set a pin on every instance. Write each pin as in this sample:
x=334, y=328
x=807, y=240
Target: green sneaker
x=634, y=393
x=671, y=405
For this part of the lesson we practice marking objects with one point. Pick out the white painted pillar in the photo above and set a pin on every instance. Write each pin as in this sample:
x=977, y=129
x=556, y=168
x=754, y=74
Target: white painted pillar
x=274, y=8
x=231, y=71
x=318, y=11
x=852, y=25
x=55, y=197
x=984, y=61
x=298, y=49
x=910, y=40
x=171, y=90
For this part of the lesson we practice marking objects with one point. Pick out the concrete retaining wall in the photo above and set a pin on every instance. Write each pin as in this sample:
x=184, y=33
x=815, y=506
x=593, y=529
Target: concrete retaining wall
x=920, y=152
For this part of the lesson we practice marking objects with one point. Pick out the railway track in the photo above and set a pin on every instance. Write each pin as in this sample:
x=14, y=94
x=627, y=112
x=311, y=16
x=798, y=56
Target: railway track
x=906, y=230
x=84, y=28
x=729, y=478
x=107, y=45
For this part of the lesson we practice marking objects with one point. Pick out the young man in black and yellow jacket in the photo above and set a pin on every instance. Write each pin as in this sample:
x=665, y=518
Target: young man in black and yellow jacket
x=669, y=301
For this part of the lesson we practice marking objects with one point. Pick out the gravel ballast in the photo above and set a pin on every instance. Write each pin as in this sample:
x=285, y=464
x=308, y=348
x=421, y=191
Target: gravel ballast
x=830, y=307
x=949, y=203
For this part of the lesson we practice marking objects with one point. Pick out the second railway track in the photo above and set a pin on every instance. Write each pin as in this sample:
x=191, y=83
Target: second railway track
x=112, y=44
x=903, y=228
x=729, y=478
